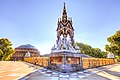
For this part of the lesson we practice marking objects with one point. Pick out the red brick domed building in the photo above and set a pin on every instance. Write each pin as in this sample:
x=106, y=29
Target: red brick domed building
x=22, y=50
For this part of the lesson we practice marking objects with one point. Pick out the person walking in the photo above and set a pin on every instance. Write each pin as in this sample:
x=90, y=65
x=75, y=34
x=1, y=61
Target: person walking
x=35, y=63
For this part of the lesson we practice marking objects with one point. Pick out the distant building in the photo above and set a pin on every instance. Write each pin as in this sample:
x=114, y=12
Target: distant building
x=23, y=50
x=110, y=55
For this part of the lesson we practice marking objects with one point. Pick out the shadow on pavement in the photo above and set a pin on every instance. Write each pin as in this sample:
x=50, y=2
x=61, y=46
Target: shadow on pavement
x=34, y=76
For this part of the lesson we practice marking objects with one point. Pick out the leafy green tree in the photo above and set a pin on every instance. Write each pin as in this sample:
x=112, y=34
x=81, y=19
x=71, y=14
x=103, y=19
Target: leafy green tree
x=114, y=46
x=6, y=49
x=1, y=54
x=94, y=52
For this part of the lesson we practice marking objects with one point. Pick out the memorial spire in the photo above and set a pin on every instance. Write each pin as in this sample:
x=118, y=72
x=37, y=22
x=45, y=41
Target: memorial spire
x=64, y=15
x=64, y=10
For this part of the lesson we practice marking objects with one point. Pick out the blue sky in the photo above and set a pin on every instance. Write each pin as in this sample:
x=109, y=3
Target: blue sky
x=35, y=21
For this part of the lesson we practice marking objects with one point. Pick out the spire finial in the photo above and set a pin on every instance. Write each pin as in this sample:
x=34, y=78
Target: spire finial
x=64, y=5
x=64, y=10
x=64, y=16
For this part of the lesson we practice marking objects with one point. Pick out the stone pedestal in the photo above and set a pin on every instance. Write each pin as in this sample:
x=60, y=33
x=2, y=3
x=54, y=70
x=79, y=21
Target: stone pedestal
x=65, y=61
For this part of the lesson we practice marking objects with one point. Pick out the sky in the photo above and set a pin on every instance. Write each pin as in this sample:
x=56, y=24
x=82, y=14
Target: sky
x=35, y=21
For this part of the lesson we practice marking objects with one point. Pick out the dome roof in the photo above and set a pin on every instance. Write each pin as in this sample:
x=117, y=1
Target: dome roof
x=26, y=46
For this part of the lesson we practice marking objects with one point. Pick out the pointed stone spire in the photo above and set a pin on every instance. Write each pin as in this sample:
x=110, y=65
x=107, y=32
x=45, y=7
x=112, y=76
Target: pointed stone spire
x=64, y=10
x=64, y=16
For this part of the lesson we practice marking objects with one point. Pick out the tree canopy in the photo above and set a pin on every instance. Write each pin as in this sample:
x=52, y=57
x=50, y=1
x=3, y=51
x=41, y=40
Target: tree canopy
x=6, y=49
x=114, y=44
x=94, y=52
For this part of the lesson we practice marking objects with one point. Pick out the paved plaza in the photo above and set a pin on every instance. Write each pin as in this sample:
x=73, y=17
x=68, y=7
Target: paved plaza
x=10, y=70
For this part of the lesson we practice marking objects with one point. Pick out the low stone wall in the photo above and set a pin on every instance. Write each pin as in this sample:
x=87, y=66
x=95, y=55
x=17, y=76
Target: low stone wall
x=87, y=62
x=42, y=61
x=96, y=62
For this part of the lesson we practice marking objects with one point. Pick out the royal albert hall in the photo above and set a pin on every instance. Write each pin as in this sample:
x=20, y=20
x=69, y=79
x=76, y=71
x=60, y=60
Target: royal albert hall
x=22, y=50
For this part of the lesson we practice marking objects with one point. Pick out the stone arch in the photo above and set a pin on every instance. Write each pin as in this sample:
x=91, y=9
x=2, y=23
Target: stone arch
x=70, y=32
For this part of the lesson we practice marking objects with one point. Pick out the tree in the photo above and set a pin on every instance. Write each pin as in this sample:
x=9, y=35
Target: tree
x=114, y=46
x=1, y=54
x=6, y=49
x=94, y=52
x=85, y=49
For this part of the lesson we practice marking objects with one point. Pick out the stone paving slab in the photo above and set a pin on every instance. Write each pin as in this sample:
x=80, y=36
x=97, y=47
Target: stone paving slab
x=89, y=74
x=27, y=71
x=54, y=75
x=10, y=70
